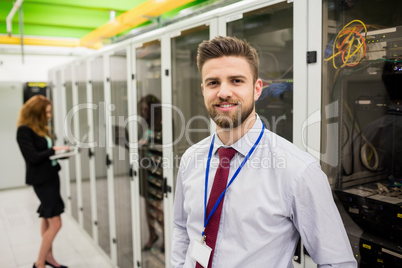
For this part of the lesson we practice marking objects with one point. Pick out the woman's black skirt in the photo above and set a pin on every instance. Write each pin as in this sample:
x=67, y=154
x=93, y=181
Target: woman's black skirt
x=51, y=203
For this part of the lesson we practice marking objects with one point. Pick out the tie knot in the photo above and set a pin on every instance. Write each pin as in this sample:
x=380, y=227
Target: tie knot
x=226, y=155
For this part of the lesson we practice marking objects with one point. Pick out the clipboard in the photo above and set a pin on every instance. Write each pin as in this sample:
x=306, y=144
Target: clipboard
x=64, y=154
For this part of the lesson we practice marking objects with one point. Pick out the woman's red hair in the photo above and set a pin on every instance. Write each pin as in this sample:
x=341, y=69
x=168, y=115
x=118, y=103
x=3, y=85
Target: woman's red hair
x=33, y=115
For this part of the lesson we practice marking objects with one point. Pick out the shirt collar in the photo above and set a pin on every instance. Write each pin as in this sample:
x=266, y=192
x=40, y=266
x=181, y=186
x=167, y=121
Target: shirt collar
x=245, y=143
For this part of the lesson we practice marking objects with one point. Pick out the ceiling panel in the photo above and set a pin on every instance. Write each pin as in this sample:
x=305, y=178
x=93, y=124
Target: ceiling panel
x=70, y=18
x=82, y=16
x=66, y=17
x=121, y=5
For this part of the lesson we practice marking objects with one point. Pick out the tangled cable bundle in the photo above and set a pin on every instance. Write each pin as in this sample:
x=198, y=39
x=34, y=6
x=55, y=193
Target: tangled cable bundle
x=349, y=45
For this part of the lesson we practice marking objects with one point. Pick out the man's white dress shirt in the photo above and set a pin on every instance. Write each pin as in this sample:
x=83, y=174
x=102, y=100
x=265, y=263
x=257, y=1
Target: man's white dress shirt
x=281, y=192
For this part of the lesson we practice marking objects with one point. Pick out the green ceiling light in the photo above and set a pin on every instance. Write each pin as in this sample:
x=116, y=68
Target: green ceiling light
x=130, y=19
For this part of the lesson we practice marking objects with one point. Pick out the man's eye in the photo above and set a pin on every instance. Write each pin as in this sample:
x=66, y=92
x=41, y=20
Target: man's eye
x=213, y=83
x=237, y=81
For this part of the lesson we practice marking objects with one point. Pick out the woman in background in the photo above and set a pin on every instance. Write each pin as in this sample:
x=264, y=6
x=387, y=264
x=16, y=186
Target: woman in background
x=151, y=168
x=34, y=140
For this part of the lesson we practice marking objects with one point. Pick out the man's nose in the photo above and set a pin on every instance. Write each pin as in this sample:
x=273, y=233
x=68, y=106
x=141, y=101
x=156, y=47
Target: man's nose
x=224, y=91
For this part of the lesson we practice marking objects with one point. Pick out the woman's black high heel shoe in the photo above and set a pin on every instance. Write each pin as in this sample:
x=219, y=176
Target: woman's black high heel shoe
x=47, y=263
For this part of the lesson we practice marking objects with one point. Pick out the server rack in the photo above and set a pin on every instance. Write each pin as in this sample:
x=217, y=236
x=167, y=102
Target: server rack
x=365, y=174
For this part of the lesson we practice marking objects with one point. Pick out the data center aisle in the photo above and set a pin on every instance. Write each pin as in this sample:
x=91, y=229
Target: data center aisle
x=20, y=235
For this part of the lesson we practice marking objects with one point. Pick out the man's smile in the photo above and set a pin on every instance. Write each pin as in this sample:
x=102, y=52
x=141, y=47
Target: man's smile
x=226, y=106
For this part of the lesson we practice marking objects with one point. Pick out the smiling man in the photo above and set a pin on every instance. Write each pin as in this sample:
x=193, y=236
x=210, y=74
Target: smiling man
x=235, y=206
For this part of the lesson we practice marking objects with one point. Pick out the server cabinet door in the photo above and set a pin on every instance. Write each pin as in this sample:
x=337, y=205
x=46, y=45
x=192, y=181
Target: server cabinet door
x=69, y=141
x=99, y=125
x=59, y=104
x=82, y=114
x=188, y=102
x=270, y=31
x=148, y=79
x=122, y=194
x=74, y=119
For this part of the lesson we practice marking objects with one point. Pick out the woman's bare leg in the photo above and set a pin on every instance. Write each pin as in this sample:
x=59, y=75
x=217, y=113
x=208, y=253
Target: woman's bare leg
x=49, y=229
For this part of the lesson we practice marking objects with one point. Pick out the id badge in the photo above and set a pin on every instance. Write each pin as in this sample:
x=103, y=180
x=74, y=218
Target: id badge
x=200, y=252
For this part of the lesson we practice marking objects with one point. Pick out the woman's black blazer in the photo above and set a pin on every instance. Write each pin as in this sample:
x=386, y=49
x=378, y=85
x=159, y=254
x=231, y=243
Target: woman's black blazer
x=36, y=153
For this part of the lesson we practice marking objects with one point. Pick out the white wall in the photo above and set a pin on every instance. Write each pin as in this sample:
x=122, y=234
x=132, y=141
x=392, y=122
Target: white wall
x=37, y=61
x=12, y=164
x=35, y=67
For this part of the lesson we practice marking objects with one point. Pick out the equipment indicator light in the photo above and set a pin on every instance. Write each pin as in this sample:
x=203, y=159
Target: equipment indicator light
x=366, y=246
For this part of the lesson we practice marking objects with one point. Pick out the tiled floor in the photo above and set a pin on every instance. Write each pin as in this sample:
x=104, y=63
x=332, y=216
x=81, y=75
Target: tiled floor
x=20, y=235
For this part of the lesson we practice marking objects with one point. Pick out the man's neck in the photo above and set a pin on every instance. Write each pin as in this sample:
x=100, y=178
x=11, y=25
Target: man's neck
x=231, y=136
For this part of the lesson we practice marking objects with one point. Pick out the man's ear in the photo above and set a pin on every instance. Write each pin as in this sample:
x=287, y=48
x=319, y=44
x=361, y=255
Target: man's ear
x=258, y=89
x=202, y=89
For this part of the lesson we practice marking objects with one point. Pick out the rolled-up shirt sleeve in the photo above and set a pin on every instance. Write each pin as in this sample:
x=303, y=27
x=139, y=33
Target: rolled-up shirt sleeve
x=181, y=240
x=318, y=221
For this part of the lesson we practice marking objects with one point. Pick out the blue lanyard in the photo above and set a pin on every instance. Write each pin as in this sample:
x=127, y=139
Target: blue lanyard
x=206, y=220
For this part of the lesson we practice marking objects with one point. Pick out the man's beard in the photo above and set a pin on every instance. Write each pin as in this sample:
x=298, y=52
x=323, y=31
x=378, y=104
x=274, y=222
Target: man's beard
x=229, y=120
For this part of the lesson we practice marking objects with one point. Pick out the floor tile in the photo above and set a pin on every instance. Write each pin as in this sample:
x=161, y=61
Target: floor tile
x=7, y=257
x=25, y=254
x=20, y=235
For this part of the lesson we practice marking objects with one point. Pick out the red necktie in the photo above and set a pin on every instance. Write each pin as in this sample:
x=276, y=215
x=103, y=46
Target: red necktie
x=219, y=185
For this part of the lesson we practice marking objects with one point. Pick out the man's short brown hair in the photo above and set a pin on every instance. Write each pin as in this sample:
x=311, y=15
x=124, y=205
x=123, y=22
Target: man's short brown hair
x=221, y=46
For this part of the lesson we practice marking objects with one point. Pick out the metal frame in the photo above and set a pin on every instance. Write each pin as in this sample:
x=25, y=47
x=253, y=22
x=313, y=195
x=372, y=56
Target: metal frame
x=133, y=136
x=314, y=75
x=314, y=41
x=92, y=167
x=215, y=29
x=58, y=115
x=109, y=152
x=167, y=138
x=67, y=164
x=76, y=122
x=308, y=28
